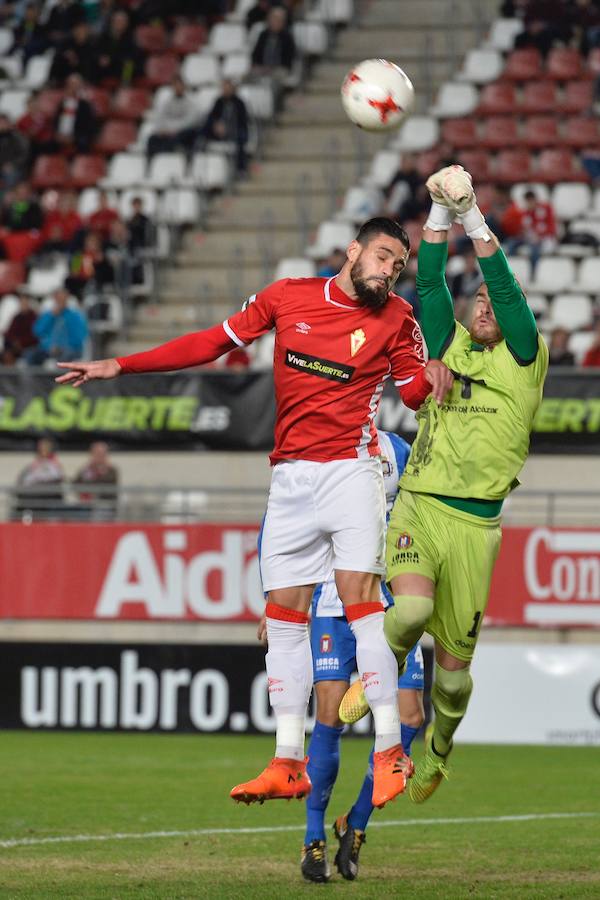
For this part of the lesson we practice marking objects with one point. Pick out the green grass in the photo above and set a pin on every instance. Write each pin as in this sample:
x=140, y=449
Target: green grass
x=102, y=784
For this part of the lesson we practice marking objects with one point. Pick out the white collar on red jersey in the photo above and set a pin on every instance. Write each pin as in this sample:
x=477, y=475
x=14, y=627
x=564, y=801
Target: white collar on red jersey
x=328, y=299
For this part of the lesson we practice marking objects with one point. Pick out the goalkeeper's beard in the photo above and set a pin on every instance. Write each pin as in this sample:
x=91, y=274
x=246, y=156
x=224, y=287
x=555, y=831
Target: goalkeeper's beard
x=369, y=291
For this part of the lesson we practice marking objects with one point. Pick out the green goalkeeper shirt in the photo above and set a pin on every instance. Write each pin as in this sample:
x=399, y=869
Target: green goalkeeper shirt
x=473, y=447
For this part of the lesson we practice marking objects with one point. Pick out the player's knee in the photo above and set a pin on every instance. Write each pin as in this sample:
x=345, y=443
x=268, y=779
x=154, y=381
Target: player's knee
x=409, y=614
x=413, y=719
x=453, y=689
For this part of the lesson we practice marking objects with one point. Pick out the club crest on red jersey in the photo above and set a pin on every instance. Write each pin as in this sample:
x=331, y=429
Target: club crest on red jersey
x=357, y=339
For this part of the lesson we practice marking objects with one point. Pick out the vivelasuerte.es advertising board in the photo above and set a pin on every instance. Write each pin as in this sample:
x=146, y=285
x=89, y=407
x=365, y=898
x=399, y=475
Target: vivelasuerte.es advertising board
x=534, y=694
x=236, y=411
x=148, y=687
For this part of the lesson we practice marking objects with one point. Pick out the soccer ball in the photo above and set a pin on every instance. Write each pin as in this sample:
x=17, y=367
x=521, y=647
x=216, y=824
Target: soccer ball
x=377, y=95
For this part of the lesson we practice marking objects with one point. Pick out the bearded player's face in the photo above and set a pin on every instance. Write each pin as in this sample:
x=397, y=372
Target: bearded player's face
x=376, y=269
x=484, y=327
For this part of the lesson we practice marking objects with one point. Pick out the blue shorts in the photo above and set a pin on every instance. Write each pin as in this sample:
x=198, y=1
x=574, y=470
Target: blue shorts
x=334, y=653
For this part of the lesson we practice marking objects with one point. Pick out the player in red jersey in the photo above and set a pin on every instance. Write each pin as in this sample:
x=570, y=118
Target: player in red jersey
x=337, y=341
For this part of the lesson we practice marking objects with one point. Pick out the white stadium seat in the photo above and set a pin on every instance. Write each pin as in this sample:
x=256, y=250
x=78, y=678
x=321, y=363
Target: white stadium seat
x=179, y=206
x=553, y=274
x=228, y=37
x=579, y=344
x=125, y=170
x=9, y=307
x=538, y=304
x=147, y=196
x=37, y=71
x=14, y=103
x=384, y=166
x=360, y=204
x=518, y=191
x=330, y=236
x=89, y=201
x=295, y=267
x=503, y=33
x=481, y=66
x=588, y=276
x=236, y=66
x=166, y=170
x=259, y=99
x=200, y=68
x=6, y=40
x=310, y=37
x=455, y=99
x=416, y=134
x=210, y=171
x=571, y=200
x=571, y=311
x=334, y=12
x=521, y=266
x=44, y=281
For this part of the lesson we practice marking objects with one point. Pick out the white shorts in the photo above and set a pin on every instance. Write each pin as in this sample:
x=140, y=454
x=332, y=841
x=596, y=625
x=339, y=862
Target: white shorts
x=323, y=516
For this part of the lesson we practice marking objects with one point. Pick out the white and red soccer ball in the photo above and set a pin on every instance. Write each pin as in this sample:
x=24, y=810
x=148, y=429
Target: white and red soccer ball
x=377, y=95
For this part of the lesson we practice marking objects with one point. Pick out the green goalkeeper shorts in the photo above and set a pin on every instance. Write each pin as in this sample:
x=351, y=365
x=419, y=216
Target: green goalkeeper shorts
x=457, y=551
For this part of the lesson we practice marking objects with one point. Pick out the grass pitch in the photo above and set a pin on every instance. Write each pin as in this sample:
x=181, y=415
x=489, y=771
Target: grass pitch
x=112, y=801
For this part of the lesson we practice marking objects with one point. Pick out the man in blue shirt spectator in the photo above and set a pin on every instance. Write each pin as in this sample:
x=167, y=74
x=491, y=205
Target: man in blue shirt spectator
x=61, y=332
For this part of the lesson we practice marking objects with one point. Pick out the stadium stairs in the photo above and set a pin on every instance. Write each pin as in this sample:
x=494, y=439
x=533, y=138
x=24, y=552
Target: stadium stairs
x=311, y=156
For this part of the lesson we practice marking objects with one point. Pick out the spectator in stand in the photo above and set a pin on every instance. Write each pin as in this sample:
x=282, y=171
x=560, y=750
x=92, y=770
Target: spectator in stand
x=102, y=219
x=546, y=23
x=101, y=476
x=126, y=266
x=61, y=332
x=21, y=210
x=19, y=335
x=30, y=34
x=592, y=357
x=403, y=186
x=275, y=49
x=140, y=228
x=258, y=13
x=75, y=123
x=39, y=485
x=75, y=57
x=176, y=122
x=333, y=264
x=36, y=125
x=62, y=225
x=464, y=284
x=560, y=355
x=90, y=269
x=62, y=19
x=228, y=121
x=533, y=226
x=118, y=58
x=14, y=154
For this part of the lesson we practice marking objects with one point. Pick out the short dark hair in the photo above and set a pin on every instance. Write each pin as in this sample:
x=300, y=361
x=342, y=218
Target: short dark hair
x=382, y=225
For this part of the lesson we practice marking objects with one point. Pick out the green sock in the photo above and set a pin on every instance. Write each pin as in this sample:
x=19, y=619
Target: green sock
x=450, y=697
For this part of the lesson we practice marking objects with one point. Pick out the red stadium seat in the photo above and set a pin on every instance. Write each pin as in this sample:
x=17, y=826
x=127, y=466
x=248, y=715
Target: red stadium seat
x=539, y=97
x=130, y=103
x=541, y=131
x=428, y=162
x=49, y=100
x=578, y=97
x=151, y=38
x=497, y=98
x=12, y=274
x=523, y=64
x=116, y=135
x=87, y=170
x=188, y=39
x=50, y=171
x=460, y=132
x=512, y=166
x=580, y=131
x=161, y=69
x=558, y=165
x=499, y=131
x=486, y=195
x=477, y=162
x=19, y=245
x=100, y=100
x=565, y=64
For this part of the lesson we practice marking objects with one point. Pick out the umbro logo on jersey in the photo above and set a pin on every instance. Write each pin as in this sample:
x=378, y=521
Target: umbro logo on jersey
x=357, y=339
x=273, y=682
x=315, y=365
x=302, y=328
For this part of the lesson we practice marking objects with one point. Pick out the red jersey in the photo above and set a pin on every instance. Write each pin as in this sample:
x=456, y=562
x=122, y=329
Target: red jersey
x=331, y=359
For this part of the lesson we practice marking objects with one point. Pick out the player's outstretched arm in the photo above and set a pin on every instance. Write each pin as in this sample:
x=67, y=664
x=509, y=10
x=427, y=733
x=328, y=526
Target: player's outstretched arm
x=80, y=372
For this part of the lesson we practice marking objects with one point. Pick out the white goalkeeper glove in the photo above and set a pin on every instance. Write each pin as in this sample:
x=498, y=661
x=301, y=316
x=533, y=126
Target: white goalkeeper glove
x=441, y=215
x=456, y=186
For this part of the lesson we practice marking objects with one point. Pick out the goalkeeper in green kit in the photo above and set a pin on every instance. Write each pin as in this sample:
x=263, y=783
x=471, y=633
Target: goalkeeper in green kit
x=444, y=531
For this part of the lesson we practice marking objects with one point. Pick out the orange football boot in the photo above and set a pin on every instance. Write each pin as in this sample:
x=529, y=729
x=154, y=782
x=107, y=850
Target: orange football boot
x=283, y=779
x=391, y=770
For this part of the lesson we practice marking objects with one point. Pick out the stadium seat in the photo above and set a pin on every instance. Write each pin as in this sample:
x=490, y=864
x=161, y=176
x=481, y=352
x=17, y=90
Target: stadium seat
x=6, y=41
x=227, y=37
x=295, y=267
x=151, y=38
x=37, y=71
x=12, y=274
x=204, y=98
x=330, y=235
x=459, y=132
x=147, y=196
x=9, y=304
x=572, y=311
x=539, y=97
x=499, y=131
x=88, y=202
x=503, y=33
x=512, y=166
x=44, y=281
x=455, y=99
x=581, y=131
x=188, y=38
x=523, y=64
x=166, y=170
x=579, y=344
x=518, y=191
x=558, y=165
x=481, y=66
x=161, y=68
x=100, y=100
x=311, y=38
x=125, y=170
x=50, y=171
x=553, y=274
x=112, y=321
x=477, y=162
x=236, y=66
x=497, y=98
x=200, y=68
x=360, y=203
x=418, y=133
x=14, y=103
x=116, y=136
x=333, y=12
x=585, y=226
x=130, y=103
x=259, y=99
x=588, y=276
x=210, y=171
x=384, y=166
x=179, y=206
x=87, y=170
x=538, y=304
x=521, y=266
x=540, y=131
x=18, y=246
x=571, y=200
x=564, y=64
x=578, y=97
x=428, y=162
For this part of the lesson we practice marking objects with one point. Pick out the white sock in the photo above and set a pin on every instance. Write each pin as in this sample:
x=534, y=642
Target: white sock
x=290, y=673
x=378, y=669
